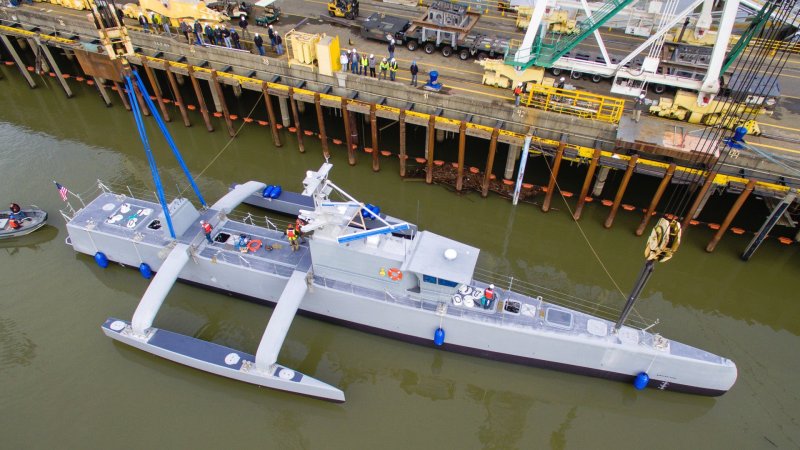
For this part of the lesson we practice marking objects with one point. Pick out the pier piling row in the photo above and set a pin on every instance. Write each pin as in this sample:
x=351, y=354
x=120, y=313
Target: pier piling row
x=357, y=95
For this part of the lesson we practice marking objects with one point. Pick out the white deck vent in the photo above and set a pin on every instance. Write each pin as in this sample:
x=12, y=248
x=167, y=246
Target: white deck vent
x=450, y=254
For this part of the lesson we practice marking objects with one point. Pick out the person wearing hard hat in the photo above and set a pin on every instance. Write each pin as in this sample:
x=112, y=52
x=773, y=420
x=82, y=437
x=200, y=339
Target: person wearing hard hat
x=372, y=64
x=392, y=69
x=384, y=68
x=207, y=230
x=517, y=93
x=638, y=106
x=488, y=297
x=560, y=84
x=355, y=68
x=271, y=35
x=344, y=60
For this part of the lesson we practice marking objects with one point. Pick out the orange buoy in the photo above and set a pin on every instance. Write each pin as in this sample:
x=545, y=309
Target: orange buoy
x=81, y=79
x=395, y=274
x=628, y=207
x=367, y=149
x=308, y=133
x=527, y=186
x=606, y=202
x=217, y=114
x=386, y=153
x=694, y=222
x=588, y=199
x=438, y=162
x=52, y=74
x=233, y=116
x=191, y=107
x=278, y=126
x=492, y=176
x=785, y=240
x=508, y=182
x=736, y=230
x=247, y=120
x=454, y=164
x=263, y=123
x=65, y=76
x=474, y=170
x=354, y=146
x=30, y=68
x=669, y=216
x=567, y=194
x=90, y=82
x=9, y=63
x=152, y=97
x=166, y=101
x=402, y=156
x=714, y=226
x=292, y=129
x=337, y=141
x=421, y=160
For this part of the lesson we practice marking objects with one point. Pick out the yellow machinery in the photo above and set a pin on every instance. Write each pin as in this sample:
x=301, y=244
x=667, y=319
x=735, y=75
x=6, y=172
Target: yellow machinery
x=684, y=107
x=71, y=4
x=328, y=55
x=575, y=103
x=313, y=50
x=497, y=73
x=343, y=8
x=524, y=17
x=175, y=10
x=561, y=23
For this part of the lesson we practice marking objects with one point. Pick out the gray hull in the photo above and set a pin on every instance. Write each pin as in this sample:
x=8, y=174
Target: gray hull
x=32, y=221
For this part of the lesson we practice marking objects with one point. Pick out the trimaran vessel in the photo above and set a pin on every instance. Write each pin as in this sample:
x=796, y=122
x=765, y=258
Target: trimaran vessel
x=419, y=287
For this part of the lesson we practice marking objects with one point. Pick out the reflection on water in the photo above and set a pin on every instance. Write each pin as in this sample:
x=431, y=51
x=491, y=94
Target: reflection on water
x=16, y=348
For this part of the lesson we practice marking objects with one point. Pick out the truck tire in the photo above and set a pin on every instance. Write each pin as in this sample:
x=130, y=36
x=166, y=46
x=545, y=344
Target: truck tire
x=412, y=45
x=447, y=51
x=597, y=78
x=576, y=75
x=555, y=71
x=429, y=47
x=481, y=56
x=658, y=88
x=349, y=16
x=463, y=54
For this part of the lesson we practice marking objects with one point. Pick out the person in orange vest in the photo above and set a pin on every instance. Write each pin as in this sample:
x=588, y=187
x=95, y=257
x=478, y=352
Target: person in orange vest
x=488, y=297
x=206, y=229
x=291, y=234
x=517, y=94
x=14, y=223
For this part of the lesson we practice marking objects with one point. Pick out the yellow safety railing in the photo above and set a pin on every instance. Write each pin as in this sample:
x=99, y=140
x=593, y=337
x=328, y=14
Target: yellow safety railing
x=576, y=103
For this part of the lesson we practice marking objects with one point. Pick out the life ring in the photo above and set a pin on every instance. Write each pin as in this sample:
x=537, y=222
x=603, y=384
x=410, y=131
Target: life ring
x=395, y=274
x=254, y=245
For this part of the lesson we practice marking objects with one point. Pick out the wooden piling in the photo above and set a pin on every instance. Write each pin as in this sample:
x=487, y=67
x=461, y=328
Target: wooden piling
x=121, y=91
x=403, y=155
x=323, y=137
x=373, y=120
x=587, y=182
x=102, y=89
x=216, y=86
x=351, y=153
x=487, y=176
x=17, y=60
x=55, y=69
x=201, y=102
x=178, y=98
x=551, y=185
x=273, y=126
x=697, y=201
x=157, y=91
x=621, y=191
x=751, y=184
x=431, y=143
x=462, y=142
x=656, y=198
x=296, y=117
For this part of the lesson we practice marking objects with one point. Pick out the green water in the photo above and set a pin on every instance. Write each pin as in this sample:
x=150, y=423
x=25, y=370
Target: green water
x=65, y=385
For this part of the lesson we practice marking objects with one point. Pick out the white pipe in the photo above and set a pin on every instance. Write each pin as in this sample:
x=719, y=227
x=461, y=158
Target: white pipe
x=523, y=160
x=711, y=80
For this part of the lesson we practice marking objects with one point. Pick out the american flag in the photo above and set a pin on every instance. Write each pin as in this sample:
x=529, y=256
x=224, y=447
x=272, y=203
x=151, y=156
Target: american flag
x=62, y=191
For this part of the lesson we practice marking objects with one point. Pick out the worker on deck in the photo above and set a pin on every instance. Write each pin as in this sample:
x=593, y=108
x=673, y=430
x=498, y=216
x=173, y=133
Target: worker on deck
x=207, y=230
x=372, y=66
x=390, y=48
x=638, y=106
x=488, y=297
x=354, y=67
x=241, y=243
x=198, y=32
x=258, y=41
x=414, y=69
x=278, y=44
x=560, y=84
x=235, y=39
x=243, y=25
x=384, y=66
x=344, y=60
x=291, y=235
x=517, y=94
x=364, y=64
x=392, y=69
x=271, y=34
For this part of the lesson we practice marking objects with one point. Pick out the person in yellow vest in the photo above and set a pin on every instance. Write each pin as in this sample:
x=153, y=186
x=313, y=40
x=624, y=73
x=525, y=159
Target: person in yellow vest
x=384, y=68
x=291, y=234
x=365, y=63
x=392, y=69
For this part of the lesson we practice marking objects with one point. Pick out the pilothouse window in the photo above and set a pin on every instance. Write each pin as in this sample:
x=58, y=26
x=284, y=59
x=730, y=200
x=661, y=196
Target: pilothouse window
x=439, y=281
x=558, y=318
